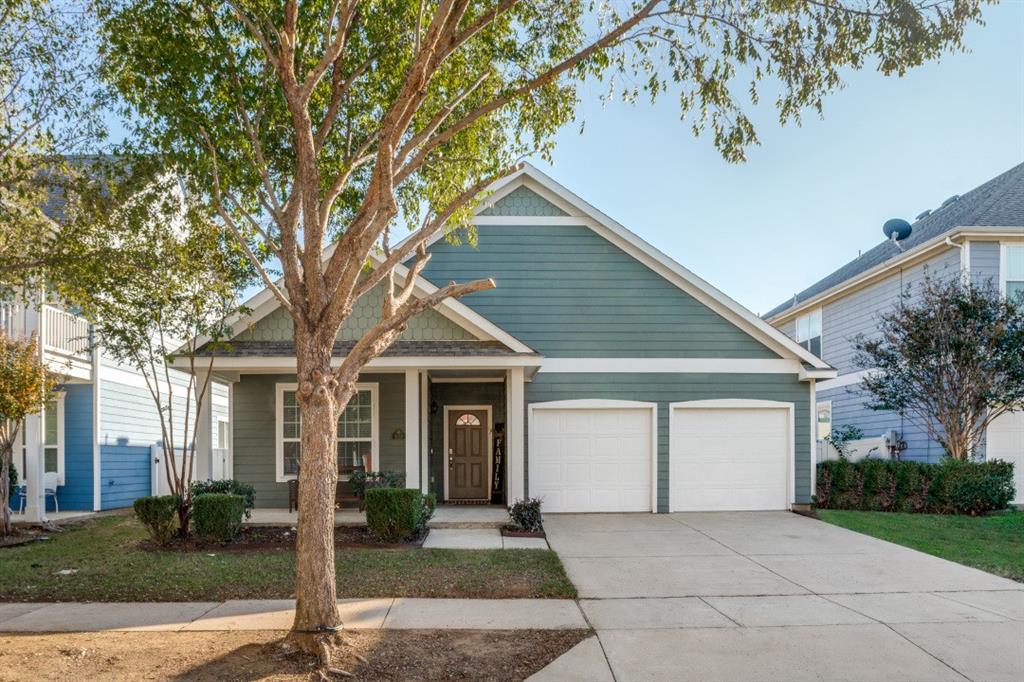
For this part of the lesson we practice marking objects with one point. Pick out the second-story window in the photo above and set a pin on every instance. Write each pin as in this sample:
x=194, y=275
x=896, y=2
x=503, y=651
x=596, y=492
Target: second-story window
x=808, y=331
x=1013, y=276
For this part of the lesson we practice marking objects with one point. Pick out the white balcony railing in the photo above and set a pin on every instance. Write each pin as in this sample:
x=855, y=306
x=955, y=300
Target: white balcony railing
x=65, y=333
x=8, y=317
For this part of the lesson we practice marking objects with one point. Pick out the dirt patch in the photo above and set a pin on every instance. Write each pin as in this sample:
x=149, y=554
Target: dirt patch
x=269, y=538
x=515, y=532
x=23, y=536
x=391, y=655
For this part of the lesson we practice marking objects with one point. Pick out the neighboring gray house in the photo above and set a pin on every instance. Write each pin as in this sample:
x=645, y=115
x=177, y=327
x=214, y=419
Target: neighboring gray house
x=979, y=234
x=599, y=375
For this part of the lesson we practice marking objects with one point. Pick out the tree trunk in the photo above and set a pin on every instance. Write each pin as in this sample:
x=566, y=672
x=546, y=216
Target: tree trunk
x=315, y=589
x=5, y=489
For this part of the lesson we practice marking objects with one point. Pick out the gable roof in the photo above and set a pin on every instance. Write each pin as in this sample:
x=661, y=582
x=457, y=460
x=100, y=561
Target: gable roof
x=996, y=203
x=578, y=211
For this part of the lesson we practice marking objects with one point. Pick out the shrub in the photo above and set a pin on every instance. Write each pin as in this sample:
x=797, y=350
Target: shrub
x=217, y=516
x=427, y=507
x=228, y=486
x=525, y=515
x=950, y=487
x=13, y=482
x=397, y=514
x=157, y=514
x=361, y=481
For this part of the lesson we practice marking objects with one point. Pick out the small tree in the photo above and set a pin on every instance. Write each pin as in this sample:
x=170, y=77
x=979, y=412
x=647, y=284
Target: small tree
x=951, y=357
x=170, y=279
x=25, y=385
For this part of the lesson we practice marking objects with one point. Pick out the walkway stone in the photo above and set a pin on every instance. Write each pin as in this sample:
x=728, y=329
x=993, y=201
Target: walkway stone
x=585, y=662
x=523, y=543
x=913, y=607
x=680, y=612
x=799, y=609
x=484, y=614
x=99, y=617
x=1009, y=604
x=463, y=538
x=993, y=652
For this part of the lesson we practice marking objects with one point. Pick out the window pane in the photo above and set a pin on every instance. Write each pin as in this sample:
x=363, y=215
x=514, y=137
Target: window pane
x=814, y=324
x=292, y=453
x=1014, y=289
x=801, y=328
x=467, y=420
x=351, y=453
x=356, y=421
x=291, y=419
x=50, y=423
x=50, y=460
x=814, y=345
x=1015, y=263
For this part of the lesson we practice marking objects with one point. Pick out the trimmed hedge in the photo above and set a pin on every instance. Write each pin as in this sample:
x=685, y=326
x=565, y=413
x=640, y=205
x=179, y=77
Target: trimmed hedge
x=950, y=487
x=228, y=486
x=525, y=515
x=217, y=516
x=157, y=513
x=397, y=514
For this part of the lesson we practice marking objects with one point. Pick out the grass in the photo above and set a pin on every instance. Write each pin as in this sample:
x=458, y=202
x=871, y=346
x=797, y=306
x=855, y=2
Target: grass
x=109, y=565
x=992, y=543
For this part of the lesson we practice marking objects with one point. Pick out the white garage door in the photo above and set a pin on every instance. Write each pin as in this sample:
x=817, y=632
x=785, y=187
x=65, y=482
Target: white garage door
x=1006, y=442
x=591, y=460
x=729, y=459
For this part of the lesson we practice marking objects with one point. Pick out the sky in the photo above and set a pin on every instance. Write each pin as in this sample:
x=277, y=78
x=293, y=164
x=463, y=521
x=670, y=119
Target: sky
x=809, y=198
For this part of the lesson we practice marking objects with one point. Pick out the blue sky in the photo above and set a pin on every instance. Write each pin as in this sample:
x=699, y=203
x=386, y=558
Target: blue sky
x=809, y=197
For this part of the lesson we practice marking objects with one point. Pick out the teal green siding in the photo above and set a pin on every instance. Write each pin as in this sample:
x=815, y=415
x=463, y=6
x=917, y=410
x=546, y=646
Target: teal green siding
x=669, y=388
x=523, y=201
x=567, y=292
x=442, y=394
x=254, y=431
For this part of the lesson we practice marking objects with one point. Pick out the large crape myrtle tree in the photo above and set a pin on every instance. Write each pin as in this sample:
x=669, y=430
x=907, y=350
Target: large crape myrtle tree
x=348, y=123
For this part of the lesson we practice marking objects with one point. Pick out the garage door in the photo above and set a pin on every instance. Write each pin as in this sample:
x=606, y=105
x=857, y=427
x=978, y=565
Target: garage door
x=729, y=459
x=591, y=459
x=1006, y=442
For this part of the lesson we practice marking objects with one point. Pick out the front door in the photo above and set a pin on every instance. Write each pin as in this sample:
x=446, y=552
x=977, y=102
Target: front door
x=468, y=460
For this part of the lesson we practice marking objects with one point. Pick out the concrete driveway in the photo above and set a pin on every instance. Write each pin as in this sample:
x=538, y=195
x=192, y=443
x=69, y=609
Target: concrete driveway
x=774, y=595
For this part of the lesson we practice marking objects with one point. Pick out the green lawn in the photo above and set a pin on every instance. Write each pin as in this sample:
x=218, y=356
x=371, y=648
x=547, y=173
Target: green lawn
x=111, y=567
x=991, y=543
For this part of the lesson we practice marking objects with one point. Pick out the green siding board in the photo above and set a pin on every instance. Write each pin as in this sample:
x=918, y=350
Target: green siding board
x=567, y=292
x=254, y=431
x=666, y=388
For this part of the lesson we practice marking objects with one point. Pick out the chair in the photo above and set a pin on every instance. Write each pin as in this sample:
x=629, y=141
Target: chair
x=50, y=481
x=18, y=499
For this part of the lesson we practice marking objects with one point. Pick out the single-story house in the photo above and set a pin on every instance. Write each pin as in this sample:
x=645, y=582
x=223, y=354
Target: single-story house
x=599, y=375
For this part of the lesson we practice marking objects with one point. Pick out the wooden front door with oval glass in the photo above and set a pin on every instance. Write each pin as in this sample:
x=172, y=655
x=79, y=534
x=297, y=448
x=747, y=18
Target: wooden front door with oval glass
x=468, y=455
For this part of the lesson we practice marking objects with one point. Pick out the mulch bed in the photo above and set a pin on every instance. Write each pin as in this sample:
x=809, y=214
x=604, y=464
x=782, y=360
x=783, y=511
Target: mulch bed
x=270, y=538
x=254, y=655
x=513, y=532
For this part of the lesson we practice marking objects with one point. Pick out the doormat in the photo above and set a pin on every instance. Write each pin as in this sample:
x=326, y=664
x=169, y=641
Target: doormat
x=483, y=501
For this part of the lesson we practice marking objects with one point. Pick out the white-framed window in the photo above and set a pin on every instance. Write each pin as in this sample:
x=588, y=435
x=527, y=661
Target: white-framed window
x=808, y=331
x=824, y=420
x=223, y=434
x=1011, y=272
x=358, y=430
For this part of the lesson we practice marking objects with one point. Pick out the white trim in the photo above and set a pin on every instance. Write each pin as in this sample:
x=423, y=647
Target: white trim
x=488, y=435
x=605, y=404
x=412, y=429
x=544, y=221
x=965, y=258
x=97, y=467
x=732, y=404
x=814, y=438
x=648, y=365
x=919, y=252
x=515, y=439
x=424, y=433
x=279, y=390
x=58, y=400
x=845, y=380
x=287, y=364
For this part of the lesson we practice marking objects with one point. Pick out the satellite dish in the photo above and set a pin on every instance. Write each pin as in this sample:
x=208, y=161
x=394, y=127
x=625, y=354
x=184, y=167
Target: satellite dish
x=896, y=229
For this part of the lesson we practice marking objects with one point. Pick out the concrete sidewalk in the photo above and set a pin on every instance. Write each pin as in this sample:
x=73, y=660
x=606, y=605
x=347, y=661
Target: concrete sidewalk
x=391, y=613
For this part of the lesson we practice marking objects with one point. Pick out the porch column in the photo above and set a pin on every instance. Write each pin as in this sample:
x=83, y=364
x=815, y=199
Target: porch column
x=412, y=428
x=203, y=466
x=515, y=429
x=424, y=431
x=35, y=503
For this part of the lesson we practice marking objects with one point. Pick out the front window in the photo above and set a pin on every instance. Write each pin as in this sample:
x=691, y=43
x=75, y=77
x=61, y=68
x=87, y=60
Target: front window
x=1013, y=268
x=824, y=419
x=357, y=432
x=808, y=331
x=51, y=439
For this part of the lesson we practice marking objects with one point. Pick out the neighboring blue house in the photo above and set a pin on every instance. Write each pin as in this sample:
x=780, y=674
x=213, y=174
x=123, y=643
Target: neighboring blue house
x=979, y=234
x=93, y=443
x=599, y=374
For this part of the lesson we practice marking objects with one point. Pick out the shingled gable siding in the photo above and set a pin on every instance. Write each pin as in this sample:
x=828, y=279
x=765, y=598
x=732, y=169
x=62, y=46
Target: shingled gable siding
x=523, y=201
x=427, y=326
x=254, y=431
x=669, y=388
x=567, y=292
